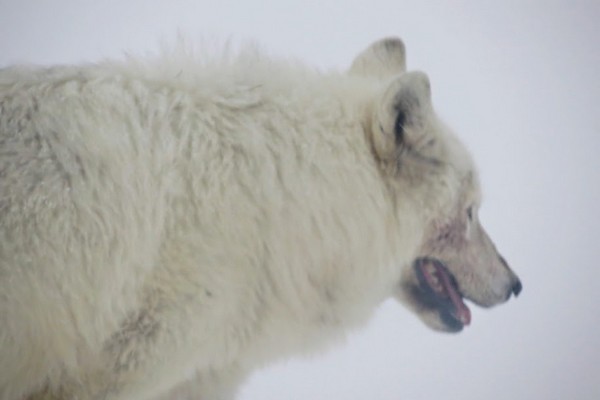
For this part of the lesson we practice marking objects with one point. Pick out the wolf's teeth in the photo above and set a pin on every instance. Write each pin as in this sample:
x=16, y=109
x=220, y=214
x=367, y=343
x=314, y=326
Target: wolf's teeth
x=435, y=283
x=433, y=277
x=431, y=269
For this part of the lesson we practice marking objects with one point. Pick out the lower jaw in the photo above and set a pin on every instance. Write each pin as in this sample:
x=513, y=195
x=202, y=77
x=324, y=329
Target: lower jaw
x=451, y=324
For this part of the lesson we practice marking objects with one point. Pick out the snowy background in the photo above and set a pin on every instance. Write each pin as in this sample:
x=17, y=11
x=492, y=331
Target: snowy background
x=518, y=80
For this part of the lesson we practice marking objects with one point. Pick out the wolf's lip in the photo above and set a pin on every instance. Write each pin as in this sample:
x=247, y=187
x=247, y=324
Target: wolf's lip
x=440, y=290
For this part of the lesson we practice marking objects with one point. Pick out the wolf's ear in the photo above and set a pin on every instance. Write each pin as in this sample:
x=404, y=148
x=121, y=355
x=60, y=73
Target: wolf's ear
x=382, y=59
x=403, y=116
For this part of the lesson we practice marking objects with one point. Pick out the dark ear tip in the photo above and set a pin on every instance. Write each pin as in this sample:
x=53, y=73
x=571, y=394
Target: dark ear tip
x=393, y=44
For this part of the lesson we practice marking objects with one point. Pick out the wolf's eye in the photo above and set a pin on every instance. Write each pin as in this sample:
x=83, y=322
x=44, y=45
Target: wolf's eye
x=470, y=213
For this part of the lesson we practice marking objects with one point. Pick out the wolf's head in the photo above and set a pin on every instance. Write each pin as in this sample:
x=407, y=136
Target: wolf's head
x=419, y=154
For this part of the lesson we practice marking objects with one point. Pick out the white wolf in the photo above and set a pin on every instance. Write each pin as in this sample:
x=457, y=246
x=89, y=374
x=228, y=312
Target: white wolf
x=161, y=220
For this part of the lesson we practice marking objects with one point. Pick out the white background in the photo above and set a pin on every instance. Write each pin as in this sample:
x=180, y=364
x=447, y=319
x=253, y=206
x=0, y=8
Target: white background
x=519, y=82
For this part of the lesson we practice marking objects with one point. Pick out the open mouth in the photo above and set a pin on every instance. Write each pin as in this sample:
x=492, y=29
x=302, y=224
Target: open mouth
x=439, y=290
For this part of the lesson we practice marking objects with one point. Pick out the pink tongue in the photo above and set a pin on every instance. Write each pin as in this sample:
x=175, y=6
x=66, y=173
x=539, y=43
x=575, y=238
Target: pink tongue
x=462, y=312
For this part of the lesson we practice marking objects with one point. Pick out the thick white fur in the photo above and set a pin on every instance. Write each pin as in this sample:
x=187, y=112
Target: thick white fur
x=163, y=218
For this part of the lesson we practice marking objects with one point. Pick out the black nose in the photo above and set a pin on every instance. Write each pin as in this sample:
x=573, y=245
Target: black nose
x=517, y=287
